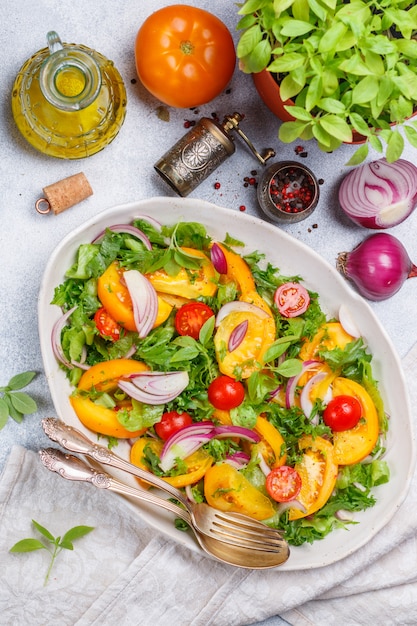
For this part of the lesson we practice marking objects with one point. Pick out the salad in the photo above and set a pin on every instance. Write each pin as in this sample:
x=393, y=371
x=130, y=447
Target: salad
x=227, y=377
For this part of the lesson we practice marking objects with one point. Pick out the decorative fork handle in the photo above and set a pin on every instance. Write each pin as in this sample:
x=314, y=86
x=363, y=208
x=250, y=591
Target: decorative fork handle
x=73, y=440
x=73, y=468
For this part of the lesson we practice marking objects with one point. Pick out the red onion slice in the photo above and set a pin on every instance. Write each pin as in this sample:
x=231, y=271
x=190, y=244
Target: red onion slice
x=239, y=307
x=237, y=335
x=184, y=442
x=222, y=432
x=165, y=387
x=126, y=228
x=347, y=322
x=56, y=338
x=218, y=259
x=293, y=382
x=379, y=194
x=144, y=299
x=238, y=459
x=305, y=396
x=151, y=220
x=161, y=383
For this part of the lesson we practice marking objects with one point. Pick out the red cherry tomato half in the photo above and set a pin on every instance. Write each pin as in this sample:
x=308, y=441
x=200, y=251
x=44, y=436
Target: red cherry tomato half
x=191, y=317
x=291, y=299
x=342, y=413
x=106, y=325
x=171, y=422
x=225, y=393
x=283, y=483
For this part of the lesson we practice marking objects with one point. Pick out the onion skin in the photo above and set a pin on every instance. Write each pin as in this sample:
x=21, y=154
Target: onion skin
x=379, y=194
x=378, y=266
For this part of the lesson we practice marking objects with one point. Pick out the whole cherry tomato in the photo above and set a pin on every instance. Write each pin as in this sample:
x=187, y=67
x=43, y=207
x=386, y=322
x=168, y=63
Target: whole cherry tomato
x=225, y=393
x=283, y=483
x=106, y=325
x=291, y=299
x=185, y=56
x=191, y=317
x=342, y=413
x=171, y=422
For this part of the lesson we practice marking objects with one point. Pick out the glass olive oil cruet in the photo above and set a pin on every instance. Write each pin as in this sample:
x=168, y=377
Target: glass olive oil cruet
x=68, y=101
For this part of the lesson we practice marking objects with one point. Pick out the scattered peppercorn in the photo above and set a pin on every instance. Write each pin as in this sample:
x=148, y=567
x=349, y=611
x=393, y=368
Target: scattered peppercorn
x=242, y=207
x=304, y=154
x=189, y=123
x=228, y=91
x=298, y=149
x=133, y=81
x=315, y=225
x=254, y=173
x=320, y=181
x=217, y=185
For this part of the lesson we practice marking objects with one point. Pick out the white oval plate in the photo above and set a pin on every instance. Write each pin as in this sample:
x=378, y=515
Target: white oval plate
x=292, y=258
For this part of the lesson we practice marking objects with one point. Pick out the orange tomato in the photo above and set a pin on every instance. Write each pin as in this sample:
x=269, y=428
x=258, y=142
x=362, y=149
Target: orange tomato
x=103, y=377
x=188, y=284
x=115, y=298
x=185, y=56
x=329, y=336
x=353, y=445
x=196, y=464
x=226, y=489
x=318, y=470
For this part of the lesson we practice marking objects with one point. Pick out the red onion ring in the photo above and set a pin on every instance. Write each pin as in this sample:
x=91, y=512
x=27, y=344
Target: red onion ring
x=293, y=382
x=56, y=338
x=379, y=194
x=237, y=306
x=126, y=228
x=144, y=299
x=151, y=220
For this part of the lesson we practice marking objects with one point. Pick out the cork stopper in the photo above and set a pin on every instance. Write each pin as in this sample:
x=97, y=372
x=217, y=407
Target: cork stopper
x=64, y=194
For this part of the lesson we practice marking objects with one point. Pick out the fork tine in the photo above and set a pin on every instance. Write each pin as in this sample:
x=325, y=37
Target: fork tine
x=248, y=535
x=235, y=521
x=259, y=545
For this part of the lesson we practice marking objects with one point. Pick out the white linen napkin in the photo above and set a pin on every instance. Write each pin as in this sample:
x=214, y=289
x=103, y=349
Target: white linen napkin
x=126, y=573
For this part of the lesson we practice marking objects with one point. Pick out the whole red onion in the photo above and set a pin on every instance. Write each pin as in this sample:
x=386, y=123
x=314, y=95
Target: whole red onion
x=378, y=266
x=379, y=194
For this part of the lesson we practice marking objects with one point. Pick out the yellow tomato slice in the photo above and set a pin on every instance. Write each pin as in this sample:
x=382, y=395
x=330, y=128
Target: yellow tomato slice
x=226, y=489
x=329, y=336
x=105, y=375
x=115, y=297
x=351, y=446
x=318, y=470
x=197, y=463
x=189, y=284
x=248, y=356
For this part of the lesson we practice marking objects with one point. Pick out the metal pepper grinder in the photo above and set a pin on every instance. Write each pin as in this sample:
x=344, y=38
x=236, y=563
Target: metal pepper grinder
x=194, y=157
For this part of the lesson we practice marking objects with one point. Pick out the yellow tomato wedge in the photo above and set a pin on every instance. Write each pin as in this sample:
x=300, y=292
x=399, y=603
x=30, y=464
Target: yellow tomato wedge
x=103, y=377
x=318, y=470
x=115, y=297
x=226, y=489
x=351, y=446
x=272, y=444
x=238, y=271
x=329, y=336
x=197, y=463
x=188, y=283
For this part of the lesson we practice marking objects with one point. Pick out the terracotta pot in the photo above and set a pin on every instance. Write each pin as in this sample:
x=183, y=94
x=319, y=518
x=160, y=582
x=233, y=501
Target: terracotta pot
x=268, y=89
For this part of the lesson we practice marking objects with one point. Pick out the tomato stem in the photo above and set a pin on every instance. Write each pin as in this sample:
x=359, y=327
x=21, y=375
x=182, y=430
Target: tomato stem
x=186, y=47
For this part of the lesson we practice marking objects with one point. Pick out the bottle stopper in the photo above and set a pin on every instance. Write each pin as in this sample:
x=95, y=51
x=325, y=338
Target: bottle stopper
x=196, y=155
x=64, y=194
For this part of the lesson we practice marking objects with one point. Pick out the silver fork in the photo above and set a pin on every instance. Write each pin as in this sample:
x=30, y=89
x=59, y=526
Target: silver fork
x=232, y=528
x=233, y=552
